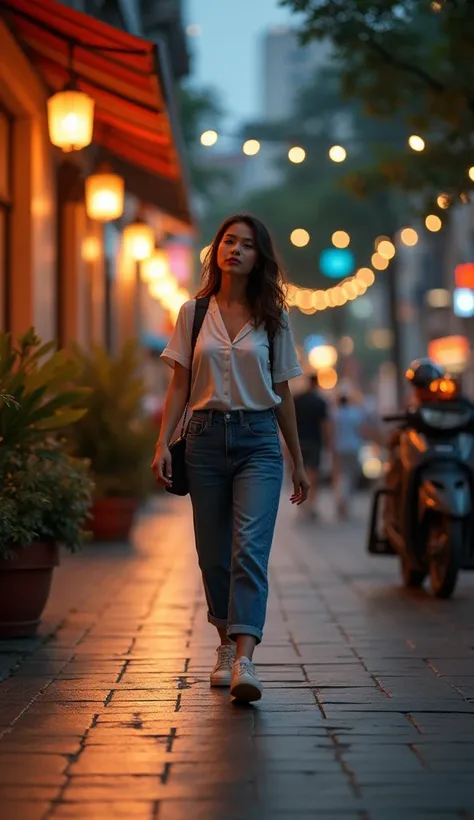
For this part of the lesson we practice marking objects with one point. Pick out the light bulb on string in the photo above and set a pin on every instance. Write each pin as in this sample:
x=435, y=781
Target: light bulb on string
x=386, y=248
x=251, y=147
x=299, y=237
x=409, y=237
x=340, y=239
x=209, y=138
x=379, y=262
x=416, y=143
x=337, y=153
x=433, y=223
x=297, y=154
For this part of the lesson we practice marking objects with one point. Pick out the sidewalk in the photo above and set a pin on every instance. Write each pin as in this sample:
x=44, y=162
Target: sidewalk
x=368, y=710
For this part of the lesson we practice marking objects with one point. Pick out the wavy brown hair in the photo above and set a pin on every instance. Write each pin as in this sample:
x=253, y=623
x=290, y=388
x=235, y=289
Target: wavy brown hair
x=266, y=291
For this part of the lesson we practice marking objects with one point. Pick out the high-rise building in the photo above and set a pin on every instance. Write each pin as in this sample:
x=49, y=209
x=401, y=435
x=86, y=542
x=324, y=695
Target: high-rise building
x=287, y=68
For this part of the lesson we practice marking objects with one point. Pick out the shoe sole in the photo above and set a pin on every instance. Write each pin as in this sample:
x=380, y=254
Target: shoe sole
x=220, y=683
x=246, y=692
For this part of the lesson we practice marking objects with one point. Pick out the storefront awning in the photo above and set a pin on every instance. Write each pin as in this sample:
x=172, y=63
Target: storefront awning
x=127, y=77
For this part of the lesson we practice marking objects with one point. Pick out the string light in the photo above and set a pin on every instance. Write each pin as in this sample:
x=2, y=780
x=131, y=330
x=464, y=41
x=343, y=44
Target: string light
x=337, y=153
x=443, y=201
x=409, y=237
x=471, y=172
x=296, y=154
x=379, y=262
x=416, y=143
x=386, y=248
x=340, y=239
x=433, y=223
x=299, y=237
x=209, y=138
x=251, y=147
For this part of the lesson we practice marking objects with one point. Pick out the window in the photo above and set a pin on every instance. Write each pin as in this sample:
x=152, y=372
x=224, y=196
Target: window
x=5, y=206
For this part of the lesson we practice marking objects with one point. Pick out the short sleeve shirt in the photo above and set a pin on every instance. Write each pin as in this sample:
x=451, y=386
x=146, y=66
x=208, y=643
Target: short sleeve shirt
x=231, y=375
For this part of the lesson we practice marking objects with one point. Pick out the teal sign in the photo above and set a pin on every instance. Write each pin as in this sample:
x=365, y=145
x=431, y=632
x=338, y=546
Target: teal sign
x=337, y=263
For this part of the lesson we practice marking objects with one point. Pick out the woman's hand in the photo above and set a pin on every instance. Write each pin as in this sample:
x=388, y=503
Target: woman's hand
x=161, y=464
x=300, y=486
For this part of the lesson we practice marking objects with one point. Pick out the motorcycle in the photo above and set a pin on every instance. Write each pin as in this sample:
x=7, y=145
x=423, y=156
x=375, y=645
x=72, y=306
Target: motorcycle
x=427, y=496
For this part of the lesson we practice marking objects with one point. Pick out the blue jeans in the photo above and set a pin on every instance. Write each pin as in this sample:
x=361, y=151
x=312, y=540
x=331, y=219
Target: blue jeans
x=235, y=471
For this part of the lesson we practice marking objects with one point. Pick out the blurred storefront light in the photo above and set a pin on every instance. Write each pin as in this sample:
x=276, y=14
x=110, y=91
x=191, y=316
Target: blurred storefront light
x=156, y=267
x=104, y=194
x=464, y=275
x=322, y=356
x=337, y=153
x=91, y=249
x=71, y=119
x=438, y=298
x=296, y=154
x=451, y=352
x=138, y=240
x=327, y=378
x=463, y=302
x=336, y=263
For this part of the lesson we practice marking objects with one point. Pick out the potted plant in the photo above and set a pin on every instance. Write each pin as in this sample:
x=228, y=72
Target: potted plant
x=45, y=494
x=115, y=437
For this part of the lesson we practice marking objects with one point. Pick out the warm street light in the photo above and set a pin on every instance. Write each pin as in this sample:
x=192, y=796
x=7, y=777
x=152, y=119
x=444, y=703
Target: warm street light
x=71, y=119
x=156, y=267
x=299, y=237
x=138, y=240
x=251, y=147
x=296, y=154
x=433, y=223
x=416, y=143
x=409, y=237
x=471, y=172
x=386, y=249
x=209, y=138
x=322, y=356
x=340, y=239
x=104, y=193
x=337, y=153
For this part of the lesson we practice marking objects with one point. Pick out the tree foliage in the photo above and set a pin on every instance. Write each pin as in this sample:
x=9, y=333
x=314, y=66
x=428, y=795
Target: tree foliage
x=410, y=59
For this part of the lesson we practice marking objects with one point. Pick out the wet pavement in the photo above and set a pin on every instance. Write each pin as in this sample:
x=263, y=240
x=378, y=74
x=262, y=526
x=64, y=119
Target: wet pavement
x=368, y=710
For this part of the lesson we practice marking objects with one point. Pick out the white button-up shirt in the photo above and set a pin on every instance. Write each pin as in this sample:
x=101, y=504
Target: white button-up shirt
x=231, y=375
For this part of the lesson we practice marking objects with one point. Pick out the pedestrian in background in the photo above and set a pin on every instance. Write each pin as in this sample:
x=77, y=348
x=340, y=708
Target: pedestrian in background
x=243, y=359
x=314, y=431
x=349, y=432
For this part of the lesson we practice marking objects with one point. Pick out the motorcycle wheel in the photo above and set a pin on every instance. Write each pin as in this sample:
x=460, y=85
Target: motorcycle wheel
x=412, y=577
x=445, y=548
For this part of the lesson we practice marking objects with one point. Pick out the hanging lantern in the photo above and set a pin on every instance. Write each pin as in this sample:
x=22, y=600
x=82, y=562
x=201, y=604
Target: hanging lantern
x=104, y=195
x=138, y=240
x=156, y=267
x=71, y=119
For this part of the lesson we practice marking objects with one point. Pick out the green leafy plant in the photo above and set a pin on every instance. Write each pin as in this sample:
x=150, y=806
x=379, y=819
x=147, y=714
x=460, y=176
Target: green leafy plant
x=36, y=395
x=45, y=496
x=114, y=435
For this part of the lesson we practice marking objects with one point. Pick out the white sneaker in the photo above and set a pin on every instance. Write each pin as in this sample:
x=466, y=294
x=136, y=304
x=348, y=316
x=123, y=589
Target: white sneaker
x=245, y=685
x=221, y=675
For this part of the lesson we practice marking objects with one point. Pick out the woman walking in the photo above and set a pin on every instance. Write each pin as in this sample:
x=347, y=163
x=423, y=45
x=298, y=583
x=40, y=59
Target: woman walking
x=238, y=373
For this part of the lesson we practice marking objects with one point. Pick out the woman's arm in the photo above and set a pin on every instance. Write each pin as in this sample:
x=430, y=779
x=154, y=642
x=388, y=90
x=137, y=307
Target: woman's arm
x=286, y=416
x=174, y=407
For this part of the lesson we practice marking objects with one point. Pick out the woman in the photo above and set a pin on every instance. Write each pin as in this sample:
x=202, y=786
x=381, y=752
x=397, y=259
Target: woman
x=233, y=453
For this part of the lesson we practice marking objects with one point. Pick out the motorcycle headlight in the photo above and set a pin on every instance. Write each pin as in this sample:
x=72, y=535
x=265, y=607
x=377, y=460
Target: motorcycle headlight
x=444, y=419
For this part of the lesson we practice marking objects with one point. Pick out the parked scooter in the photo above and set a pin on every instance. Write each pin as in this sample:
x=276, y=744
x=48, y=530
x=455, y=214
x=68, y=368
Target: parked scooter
x=426, y=502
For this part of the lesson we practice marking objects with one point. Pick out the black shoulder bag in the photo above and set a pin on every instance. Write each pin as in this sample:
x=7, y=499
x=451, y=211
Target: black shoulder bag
x=180, y=485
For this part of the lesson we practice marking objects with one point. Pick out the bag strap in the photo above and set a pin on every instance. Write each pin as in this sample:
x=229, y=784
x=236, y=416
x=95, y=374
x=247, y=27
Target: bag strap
x=271, y=353
x=200, y=311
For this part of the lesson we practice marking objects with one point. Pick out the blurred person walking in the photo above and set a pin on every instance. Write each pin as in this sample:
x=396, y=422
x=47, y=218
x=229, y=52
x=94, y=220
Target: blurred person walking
x=314, y=431
x=236, y=378
x=349, y=433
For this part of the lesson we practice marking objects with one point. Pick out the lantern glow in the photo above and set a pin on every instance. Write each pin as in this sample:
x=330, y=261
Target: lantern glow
x=104, y=196
x=71, y=119
x=138, y=241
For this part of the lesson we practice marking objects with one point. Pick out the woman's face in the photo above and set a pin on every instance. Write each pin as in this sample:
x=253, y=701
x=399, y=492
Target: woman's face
x=237, y=254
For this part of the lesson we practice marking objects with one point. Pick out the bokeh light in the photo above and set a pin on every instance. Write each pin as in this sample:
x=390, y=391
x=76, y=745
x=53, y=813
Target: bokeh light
x=327, y=378
x=251, y=147
x=322, y=356
x=299, y=237
x=209, y=138
x=379, y=262
x=416, y=143
x=204, y=253
x=296, y=154
x=337, y=153
x=433, y=223
x=340, y=239
x=409, y=237
x=443, y=201
x=386, y=248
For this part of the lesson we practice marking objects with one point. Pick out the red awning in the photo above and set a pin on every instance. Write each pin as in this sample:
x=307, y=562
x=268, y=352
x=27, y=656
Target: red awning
x=125, y=76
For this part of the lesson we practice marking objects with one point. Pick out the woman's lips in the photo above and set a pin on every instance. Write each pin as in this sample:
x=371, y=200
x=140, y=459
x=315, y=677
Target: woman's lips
x=233, y=261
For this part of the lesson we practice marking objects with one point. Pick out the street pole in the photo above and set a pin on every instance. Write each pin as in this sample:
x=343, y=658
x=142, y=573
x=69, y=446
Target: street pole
x=396, y=350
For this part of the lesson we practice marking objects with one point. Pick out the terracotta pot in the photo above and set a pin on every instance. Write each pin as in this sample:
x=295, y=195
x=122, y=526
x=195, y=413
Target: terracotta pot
x=25, y=582
x=112, y=518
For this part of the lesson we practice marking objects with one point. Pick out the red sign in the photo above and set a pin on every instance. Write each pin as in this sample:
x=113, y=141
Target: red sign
x=464, y=275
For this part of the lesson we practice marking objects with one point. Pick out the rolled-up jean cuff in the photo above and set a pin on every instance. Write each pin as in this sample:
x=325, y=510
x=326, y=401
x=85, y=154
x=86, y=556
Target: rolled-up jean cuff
x=221, y=623
x=242, y=629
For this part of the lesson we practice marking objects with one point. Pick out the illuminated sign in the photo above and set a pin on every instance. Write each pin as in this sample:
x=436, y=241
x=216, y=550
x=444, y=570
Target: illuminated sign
x=463, y=302
x=464, y=275
x=336, y=263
